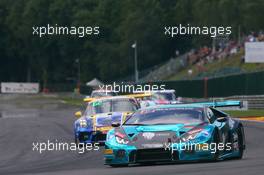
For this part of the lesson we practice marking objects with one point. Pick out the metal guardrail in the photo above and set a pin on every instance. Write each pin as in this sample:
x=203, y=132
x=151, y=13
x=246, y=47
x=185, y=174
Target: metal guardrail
x=254, y=101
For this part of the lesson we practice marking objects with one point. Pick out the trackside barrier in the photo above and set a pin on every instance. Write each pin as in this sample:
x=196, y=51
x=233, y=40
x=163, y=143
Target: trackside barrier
x=242, y=84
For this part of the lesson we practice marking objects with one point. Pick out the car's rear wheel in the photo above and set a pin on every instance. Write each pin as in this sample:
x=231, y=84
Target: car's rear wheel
x=240, y=142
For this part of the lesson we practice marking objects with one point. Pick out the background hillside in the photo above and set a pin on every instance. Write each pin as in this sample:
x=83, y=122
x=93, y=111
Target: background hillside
x=224, y=67
x=52, y=59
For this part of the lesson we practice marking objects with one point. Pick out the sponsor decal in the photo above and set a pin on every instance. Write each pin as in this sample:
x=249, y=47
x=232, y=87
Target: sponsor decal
x=163, y=134
x=152, y=145
x=148, y=135
x=195, y=131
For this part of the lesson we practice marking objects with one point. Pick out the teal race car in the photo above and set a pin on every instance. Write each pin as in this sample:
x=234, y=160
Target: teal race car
x=173, y=133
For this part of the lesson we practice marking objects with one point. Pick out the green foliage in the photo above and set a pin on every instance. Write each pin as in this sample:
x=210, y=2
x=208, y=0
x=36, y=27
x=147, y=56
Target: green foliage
x=108, y=56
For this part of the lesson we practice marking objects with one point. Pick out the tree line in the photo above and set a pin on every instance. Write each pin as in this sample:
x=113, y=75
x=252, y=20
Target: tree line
x=108, y=56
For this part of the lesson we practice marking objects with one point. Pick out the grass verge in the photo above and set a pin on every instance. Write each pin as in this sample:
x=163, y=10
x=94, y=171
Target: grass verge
x=72, y=101
x=248, y=113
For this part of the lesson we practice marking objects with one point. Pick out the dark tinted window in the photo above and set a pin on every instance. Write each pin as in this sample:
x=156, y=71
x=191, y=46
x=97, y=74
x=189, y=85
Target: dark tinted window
x=167, y=116
x=163, y=96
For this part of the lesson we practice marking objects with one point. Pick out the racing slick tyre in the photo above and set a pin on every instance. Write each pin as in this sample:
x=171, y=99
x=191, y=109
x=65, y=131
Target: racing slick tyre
x=240, y=131
x=77, y=142
x=216, y=140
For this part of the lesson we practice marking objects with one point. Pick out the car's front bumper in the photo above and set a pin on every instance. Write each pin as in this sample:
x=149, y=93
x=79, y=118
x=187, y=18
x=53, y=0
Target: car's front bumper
x=90, y=136
x=132, y=155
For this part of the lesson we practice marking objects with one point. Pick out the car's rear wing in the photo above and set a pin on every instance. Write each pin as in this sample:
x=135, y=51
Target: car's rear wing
x=228, y=103
x=89, y=99
x=141, y=95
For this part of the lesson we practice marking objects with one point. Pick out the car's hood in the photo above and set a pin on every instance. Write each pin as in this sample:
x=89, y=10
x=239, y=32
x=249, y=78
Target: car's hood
x=154, y=136
x=106, y=119
x=158, y=128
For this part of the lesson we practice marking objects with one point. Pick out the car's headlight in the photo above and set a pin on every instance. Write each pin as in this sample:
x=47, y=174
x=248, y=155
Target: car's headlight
x=121, y=140
x=190, y=135
x=83, y=123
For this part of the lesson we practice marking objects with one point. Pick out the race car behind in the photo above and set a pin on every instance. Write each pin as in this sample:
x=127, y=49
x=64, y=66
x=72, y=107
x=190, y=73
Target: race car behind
x=95, y=122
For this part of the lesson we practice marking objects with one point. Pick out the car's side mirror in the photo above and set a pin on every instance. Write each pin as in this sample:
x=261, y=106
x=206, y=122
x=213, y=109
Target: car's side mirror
x=128, y=113
x=78, y=114
x=115, y=124
x=221, y=119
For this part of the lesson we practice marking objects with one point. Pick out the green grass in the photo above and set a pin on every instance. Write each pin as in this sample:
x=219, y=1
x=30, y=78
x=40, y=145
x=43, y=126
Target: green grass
x=73, y=101
x=248, y=113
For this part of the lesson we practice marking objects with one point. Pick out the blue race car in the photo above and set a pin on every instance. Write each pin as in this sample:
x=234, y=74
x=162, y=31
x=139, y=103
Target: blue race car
x=172, y=133
x=92, y=126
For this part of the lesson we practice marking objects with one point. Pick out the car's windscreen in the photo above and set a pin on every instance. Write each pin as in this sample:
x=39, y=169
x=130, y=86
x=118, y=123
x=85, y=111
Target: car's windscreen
x=98, y=107
x=163, y=96
x=113, y=105
x=166, y=116
x=123, y=105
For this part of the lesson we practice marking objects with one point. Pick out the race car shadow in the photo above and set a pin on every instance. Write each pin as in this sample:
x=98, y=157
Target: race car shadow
x=179, y=163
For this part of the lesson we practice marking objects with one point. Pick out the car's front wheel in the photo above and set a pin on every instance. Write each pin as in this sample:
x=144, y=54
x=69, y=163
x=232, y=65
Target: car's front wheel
x=216, y=140
x=77, y=142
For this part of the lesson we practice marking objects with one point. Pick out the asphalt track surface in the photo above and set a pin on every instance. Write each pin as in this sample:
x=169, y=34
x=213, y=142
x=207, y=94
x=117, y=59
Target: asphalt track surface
x=28, y=119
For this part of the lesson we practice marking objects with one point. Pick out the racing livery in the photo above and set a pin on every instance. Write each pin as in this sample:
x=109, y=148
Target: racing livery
x=96, y=121
x=172, y=133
